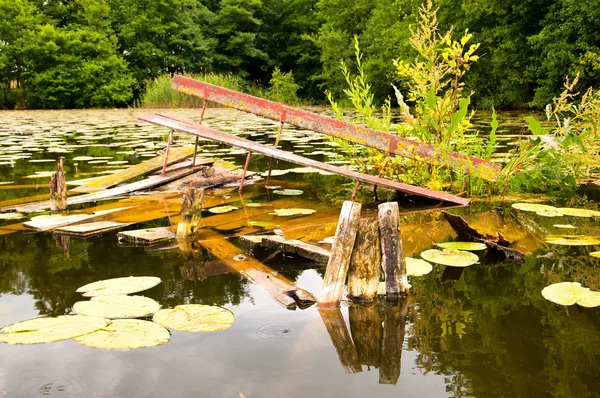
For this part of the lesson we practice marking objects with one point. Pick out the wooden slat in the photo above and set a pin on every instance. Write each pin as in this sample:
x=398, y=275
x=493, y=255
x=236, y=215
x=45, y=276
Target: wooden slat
x=47, y=223
x=90, y=229
x=147, y=236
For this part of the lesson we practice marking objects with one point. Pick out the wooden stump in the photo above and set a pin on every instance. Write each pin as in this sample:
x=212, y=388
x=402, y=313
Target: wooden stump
x=337, y=267
x=365, y=263
x=336, y=327
x=191, y=210
x=392, y=250
x=394, y=328
x=58, y=188
x=367, y=332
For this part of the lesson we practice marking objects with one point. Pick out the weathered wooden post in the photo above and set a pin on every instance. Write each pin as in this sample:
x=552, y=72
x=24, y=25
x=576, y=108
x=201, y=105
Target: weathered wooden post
x=191, y=210
x=367, y=332
x=394, y=264
x=365, y=263
x=394, y=328
x=337, y=267
x=338, y=332
x=58, y=188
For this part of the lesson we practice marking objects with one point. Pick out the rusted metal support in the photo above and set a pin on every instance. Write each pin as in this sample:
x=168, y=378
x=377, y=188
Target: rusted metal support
x=198, y=138
x=245, y=171
x=164, y=168
x=242, y=143
x=338, y=128
x=274, y=146
x=379, y=175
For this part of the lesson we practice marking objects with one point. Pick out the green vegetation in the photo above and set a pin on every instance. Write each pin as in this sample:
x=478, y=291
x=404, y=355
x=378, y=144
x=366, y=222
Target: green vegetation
x=83, y=53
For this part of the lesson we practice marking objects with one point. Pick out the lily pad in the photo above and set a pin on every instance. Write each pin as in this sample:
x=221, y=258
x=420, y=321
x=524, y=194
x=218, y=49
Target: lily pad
x=292, y=212
x=452, y=258
x=573, y=240
x=222, y=209
x=127, y=285
x=195, y=318
x=123, y=334
x=468, y=246
x=542, y=210
x=11, y=216
x=46, y=330
x=262, y=224
x=289, y=192
x=254, y=205
x=565, y=226
x=569, y=211
x=117, y=306
x=275, y=173
x=417, y=267
x=569, y=293
x=595, y=254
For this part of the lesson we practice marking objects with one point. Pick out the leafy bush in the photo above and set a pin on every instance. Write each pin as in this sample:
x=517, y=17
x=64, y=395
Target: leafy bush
x=283, y=87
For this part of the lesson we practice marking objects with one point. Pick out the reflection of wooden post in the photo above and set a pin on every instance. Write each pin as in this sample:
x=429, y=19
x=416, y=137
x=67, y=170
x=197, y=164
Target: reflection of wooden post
x=365, y=264
x=58, y=188
x=392, y=250
x=193, y=267
x=337, y=267
x=394, y=328
x=367, y=332
x=191, y=210
x=336, y=327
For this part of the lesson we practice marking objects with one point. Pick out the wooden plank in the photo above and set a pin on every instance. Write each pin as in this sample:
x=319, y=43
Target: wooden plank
x=47, y=223
x=238, y=142
x=138, y=170
x=338, y=332
x=341, y=250
x=296, y=247
x=147, y=236
x=90, y=229
x=380, y=140
x=365, y=263
x=278, y=286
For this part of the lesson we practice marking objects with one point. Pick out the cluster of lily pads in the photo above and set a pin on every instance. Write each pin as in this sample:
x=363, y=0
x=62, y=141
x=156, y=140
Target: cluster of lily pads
x=107, y=319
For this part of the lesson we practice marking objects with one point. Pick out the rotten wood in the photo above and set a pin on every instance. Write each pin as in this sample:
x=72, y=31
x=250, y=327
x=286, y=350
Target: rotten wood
x=464, y=231
x=338, y=332
x=253, y=147
x=507, y=254
x=296, y=247
x=278, y=286
x=147, y=236
x=392, y=251
x=191, y=213
x=365, y=263
x=357, y=134
x=367, y=332
x=394, y=329
x=90, y=229
x=341, y=250
x=58, y=188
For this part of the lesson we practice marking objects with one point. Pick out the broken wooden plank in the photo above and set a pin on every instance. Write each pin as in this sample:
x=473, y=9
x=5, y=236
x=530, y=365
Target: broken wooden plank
x=279, y=287
x=147, y=236
x=296, y=247
x=365, y=263
x=341, y=250
x=253, y=147
x=380, y=140
x=464, y=230
x=338, y=332
x=392, y=251
x=90, y=229
x=141, y=169
x=49, y=222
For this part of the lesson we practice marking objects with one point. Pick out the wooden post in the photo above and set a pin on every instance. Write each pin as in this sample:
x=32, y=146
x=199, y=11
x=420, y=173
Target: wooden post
x=58, y=188
x=337, y=267
x=367, y=332
x=336, y=327
x=394, y=328
x=365, y=263
x=191, y=210
x=392, y=250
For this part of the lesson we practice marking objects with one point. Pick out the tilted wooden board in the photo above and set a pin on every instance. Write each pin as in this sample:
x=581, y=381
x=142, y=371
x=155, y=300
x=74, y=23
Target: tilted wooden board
x=47, y=223
x=148, y=236
x=89, y=229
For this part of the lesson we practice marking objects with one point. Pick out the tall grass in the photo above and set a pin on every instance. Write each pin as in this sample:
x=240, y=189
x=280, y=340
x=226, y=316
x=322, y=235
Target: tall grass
x=160, y=95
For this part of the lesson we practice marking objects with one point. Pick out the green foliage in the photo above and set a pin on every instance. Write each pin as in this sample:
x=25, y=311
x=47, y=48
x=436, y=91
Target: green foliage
x=283, y=87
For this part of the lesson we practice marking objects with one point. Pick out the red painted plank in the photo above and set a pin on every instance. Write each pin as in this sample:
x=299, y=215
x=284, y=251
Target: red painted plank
x=225, y=138
x=337, y=128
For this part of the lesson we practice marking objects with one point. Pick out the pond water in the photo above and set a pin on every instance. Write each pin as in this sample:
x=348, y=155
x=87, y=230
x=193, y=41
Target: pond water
x=481, y=331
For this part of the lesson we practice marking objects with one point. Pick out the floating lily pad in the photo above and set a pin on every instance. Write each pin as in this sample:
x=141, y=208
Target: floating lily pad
x=127, y=285
x=569, y=293
x=468, y=246
x=565, y=226
x=123, y=334
x=573, y=240
x=222, y=209
x=542, y=210
x=118, y=306
x=275, y=173
x=46, y=330
x=253, y=238
x=595, y=254
x=195, y=318
x=292, y=212
x=289, y=192
x=568, y=211
x=11, y=216
x=328, y=240
x=453, y=258
x=254, y=205
x=417, y=267
x=262, y=224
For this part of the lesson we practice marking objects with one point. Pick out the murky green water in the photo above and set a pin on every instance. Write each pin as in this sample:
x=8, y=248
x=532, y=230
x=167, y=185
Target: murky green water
x=482, y=332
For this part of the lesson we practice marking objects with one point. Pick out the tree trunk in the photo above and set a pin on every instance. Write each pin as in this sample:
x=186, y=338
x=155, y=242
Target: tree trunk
x=191, y=212
x=365, y=263
x=58, y=189
x=392, y=250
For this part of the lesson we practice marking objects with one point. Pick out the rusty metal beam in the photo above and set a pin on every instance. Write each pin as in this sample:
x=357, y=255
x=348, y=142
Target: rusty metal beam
x=238, y=142
x=337, y=128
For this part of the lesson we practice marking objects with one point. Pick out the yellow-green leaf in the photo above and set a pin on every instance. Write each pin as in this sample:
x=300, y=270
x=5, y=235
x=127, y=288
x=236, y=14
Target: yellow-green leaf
x=222, y=209
x=127, y=285
x=453, y=258
x=573, y=240
x=417, y=267
x=195, y=318
x=118, y=306
x=124, y=334
x=46, y=330
x=468, y=246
